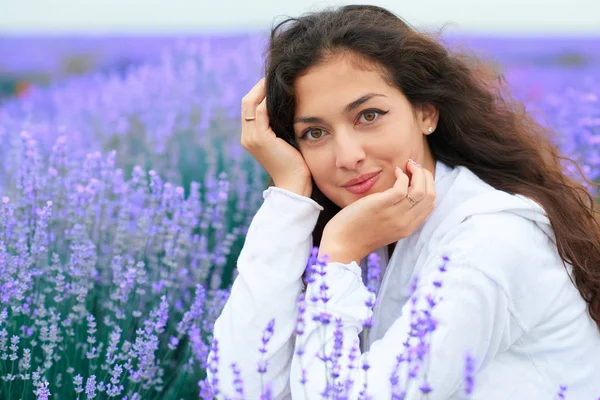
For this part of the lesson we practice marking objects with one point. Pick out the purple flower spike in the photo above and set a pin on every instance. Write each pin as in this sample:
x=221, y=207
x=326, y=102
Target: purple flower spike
x=413, y=285
x=267, y=394
x=469, y=374
x=309, y=277
x=213, y=366
x=205, y=390
x=323, y=317
x=267, y=334
x=90, y=387
x=337, y=347
x=238, y=383
x=373, y=272
x=445, y=260
x=561, y=393
x=300, y=323
x=43, y=392
x=425, y=388
x=303, y=380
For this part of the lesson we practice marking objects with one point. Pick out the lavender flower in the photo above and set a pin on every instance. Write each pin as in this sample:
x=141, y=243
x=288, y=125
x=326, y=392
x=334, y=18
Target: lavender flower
x=205, y=390
x=561, y=393
x=213, y=367
x=373, y=272
x=263, y=363
x=238, y=383
x=90, y=387
x=42, y=392
x=469, y=374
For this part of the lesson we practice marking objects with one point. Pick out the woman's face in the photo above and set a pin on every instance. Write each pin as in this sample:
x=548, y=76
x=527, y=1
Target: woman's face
x=349, y=121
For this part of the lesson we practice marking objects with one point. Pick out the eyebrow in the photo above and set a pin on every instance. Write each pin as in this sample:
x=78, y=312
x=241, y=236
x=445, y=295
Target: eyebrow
x=351, y=106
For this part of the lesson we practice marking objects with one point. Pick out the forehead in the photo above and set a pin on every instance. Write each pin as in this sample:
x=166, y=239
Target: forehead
x=338, y=80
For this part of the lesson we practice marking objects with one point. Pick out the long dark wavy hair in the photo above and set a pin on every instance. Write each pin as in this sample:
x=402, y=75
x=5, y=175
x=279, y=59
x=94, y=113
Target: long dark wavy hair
x=480, y=126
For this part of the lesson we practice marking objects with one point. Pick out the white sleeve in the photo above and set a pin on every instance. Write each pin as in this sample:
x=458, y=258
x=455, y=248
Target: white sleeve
x=270, y=268
x=470, y=313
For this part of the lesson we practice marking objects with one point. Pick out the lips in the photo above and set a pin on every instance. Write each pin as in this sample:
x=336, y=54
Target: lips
x=360, y=178
x=364, y=186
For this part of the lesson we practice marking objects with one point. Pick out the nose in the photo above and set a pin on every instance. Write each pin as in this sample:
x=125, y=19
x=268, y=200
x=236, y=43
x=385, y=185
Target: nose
x=349, y=151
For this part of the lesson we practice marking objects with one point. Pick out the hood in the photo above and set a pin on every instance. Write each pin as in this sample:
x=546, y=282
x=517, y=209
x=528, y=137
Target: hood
x=462, y=194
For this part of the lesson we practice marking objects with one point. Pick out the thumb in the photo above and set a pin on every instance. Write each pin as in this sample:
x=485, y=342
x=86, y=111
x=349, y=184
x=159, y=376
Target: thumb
x=399, y=191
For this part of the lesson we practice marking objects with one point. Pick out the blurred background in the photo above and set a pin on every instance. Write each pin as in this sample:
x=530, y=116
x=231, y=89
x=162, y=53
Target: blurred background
x=45, y=40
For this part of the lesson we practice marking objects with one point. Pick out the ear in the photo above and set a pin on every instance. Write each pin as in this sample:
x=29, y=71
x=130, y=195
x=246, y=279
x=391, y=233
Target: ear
x=427, y=117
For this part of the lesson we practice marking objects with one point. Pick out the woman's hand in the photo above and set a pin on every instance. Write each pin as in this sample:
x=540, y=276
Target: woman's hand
x=282, y=162
x=381, y=218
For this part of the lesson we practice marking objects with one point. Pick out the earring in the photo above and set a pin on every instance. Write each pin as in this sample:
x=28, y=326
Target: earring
x=430, y=130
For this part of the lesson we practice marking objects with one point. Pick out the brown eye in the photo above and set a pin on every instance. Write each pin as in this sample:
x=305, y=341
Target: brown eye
x=311, y=133
x=370, y=116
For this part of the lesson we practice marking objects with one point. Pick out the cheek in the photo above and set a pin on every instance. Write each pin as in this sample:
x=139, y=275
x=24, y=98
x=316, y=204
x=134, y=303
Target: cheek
x=388, y=144
x=397, y=141
x=317, y=164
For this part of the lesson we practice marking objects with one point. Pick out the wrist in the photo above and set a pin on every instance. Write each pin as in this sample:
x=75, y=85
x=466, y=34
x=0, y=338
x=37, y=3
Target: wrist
x=302, y=190
x=337, y=253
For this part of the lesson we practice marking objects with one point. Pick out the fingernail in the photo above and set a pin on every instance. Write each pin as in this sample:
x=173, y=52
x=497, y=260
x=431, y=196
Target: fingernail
x=415, y=163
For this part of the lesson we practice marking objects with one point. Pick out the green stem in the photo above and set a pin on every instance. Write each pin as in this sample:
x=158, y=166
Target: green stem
x=25, y=386
x=12, y=368
x=180, y=377
x=175, y=370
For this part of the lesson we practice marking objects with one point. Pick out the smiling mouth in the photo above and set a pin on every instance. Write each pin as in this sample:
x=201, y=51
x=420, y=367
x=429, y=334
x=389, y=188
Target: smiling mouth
x=360, y=179
x=365, y=185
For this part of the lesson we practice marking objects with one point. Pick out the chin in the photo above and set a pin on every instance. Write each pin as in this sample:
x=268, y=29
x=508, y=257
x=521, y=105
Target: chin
x=351, y=198
x=342, y=201
x=346, y=203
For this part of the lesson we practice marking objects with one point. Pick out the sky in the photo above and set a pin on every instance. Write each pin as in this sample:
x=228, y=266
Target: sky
x=564, y=17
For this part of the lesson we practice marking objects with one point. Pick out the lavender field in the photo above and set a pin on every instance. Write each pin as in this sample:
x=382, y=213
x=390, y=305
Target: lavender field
x=125, y=198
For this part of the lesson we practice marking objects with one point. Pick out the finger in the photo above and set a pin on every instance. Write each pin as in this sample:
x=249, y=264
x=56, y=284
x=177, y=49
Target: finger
x=249, y=105
x=399, y=190
x=427, y=203
x=430, y=197
x=262, y=117
x=253, y=98
x=257, y=93
x=429, y=182
x=417, y=188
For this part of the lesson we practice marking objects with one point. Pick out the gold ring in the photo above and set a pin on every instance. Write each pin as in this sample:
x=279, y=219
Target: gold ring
x=249, y=118
x=411, y=200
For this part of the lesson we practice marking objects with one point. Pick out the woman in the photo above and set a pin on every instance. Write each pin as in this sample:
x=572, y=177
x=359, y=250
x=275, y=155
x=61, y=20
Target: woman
x=350, y=95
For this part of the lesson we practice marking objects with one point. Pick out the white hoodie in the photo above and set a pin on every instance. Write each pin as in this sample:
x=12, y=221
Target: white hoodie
x=505, y=297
